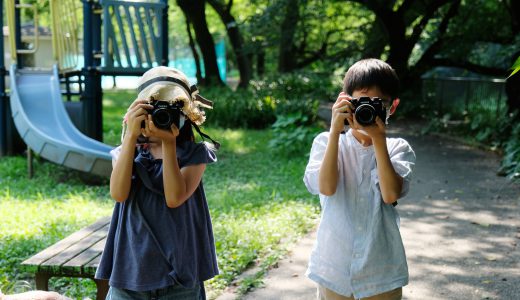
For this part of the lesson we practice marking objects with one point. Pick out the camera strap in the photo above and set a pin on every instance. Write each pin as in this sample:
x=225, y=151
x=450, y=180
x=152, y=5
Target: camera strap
x=203, y=135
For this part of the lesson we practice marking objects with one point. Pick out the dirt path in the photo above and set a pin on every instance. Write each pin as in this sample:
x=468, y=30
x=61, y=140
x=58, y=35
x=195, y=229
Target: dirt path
x=460, y=226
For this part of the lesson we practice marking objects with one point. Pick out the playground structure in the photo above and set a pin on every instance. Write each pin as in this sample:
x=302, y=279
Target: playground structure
x=134, y=39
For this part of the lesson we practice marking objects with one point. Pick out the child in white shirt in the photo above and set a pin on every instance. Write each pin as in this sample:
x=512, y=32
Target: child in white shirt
x=359, y=175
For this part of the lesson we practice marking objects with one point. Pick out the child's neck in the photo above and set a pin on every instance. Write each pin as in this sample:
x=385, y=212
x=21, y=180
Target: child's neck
x=155, y=149
x=363, y=139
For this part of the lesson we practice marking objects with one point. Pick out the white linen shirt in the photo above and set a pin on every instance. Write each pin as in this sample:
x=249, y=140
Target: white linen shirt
x=358, y=250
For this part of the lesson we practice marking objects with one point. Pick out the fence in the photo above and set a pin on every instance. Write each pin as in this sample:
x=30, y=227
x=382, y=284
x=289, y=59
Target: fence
x=459, y=96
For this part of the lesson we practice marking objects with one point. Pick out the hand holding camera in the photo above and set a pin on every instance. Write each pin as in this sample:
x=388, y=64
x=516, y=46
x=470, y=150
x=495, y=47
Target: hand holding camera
x=164, y=120
x=166, y=113
x=367, y=109
x=359, y=113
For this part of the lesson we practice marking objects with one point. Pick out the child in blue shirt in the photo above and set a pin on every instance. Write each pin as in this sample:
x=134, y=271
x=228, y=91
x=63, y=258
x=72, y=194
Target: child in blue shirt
x=359, y=175
x=160, y=242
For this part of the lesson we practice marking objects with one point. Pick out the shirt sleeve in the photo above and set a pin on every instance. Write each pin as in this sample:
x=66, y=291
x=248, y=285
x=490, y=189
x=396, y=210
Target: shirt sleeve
x=312, y=171
x=115, y=154
x=198, y=153
x=402, y=158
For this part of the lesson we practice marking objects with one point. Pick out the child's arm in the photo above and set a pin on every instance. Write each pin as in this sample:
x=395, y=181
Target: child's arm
x=328, y=178
x=121, y=176
x=179, y=184
x=390, y=183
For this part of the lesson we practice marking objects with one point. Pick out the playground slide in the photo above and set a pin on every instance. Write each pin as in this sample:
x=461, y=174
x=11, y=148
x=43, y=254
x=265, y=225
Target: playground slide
x=43, y=123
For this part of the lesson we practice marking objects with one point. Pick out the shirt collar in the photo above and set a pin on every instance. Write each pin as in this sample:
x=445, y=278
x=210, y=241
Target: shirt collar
x=357, y=145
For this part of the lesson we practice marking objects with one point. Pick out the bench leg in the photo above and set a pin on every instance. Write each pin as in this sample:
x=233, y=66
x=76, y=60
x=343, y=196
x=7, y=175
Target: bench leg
x=102, y=289
x=42, y=281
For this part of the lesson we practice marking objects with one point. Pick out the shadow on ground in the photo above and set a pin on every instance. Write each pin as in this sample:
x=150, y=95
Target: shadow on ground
x=460, y=223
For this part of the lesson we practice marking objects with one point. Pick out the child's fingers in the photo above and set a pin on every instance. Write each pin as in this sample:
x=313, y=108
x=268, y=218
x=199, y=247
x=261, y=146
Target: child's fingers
x=151, y=125
x=343, y=106
x=380, y=123
x=137, y=102
x=174, y=130
x=349, y=117
x=147, y=131
x=341, y=103
x=342, y=96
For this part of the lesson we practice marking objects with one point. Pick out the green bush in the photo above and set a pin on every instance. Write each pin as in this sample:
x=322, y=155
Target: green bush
x=239, y=109
x=292, y=134
x=266, y=99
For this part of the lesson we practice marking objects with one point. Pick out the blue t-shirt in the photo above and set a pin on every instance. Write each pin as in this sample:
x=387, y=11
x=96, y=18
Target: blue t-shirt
x=151, y=246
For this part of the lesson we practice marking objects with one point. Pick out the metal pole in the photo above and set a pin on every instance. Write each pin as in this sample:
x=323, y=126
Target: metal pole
x=92, y=96
x=18, y=37
x=164, y=34
x=30, y=168
x=3, y=97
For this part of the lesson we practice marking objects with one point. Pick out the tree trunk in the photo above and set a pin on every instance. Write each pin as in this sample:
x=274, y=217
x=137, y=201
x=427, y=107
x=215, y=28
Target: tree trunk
x=194, y=10
x=376, y=40
x=198, y=73
x=286, y=55
x=237, y=42
x=260, y=63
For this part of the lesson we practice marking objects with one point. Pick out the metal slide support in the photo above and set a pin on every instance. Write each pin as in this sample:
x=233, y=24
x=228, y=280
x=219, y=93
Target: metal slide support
x=93, y=94
x=10, y=141
x=4, y=118
x=18, y=33
x=164, y=34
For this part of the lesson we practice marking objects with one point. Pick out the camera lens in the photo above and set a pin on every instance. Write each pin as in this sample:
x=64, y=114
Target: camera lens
x=365, y=114
x=161, y=118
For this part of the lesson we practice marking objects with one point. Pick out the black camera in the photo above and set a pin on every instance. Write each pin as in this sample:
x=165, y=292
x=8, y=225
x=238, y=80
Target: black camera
x=165, y=113
x=366, y=110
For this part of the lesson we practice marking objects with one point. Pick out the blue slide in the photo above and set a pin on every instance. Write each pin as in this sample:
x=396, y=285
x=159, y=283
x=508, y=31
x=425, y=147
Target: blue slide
x=45, y=126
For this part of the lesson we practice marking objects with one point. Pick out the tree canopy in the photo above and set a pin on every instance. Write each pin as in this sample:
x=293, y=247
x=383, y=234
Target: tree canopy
x=273, y=36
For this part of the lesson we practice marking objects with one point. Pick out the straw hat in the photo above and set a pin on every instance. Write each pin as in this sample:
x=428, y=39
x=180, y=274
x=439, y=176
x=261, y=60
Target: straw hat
x=169, y=84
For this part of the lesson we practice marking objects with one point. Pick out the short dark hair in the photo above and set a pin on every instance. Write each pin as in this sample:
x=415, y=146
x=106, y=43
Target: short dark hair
x=371, y=72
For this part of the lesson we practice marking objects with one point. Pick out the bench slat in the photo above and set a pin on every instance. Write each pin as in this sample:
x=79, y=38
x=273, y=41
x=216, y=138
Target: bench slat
x=60, y=246
x=92, y=266
x=55, y=263
x=85, y=257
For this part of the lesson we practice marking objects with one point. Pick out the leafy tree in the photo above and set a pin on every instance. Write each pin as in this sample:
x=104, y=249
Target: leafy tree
x=235, y=37
x=194, y=11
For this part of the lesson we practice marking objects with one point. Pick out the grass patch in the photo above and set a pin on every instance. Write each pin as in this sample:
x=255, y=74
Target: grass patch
x=258, y=204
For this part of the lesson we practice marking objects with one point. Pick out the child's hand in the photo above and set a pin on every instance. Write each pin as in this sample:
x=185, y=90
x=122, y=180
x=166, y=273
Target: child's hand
x=135, y=116
x=150, y=130
x=341, y=111
x=374, y=131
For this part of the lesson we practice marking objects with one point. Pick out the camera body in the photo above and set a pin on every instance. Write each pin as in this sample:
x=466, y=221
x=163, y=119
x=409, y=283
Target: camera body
x=366, y=110
x=166, y=113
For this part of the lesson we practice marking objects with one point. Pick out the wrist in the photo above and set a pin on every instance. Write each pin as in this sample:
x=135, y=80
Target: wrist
x=334, y=131
x=169, y=142
x=379, y=141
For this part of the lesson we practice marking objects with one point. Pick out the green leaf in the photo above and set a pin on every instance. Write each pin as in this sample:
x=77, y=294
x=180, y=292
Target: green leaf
x=515, y=67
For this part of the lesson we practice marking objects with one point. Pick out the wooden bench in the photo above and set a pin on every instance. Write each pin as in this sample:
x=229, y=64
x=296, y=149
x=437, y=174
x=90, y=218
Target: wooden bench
x=77, y=255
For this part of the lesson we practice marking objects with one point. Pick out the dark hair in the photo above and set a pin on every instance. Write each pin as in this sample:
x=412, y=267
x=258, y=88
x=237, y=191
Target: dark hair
x=371, y=72
x=186, y=132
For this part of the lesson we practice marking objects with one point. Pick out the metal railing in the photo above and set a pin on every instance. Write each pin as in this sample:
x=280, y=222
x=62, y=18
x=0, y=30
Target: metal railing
x=460, y=96
x=132, y=34
x=65, y=45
